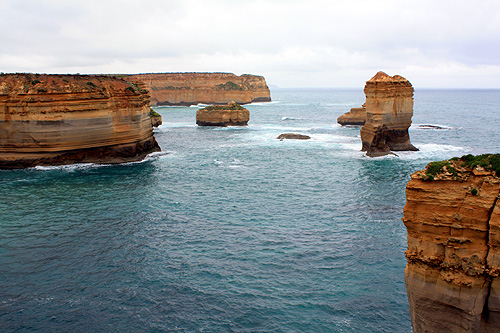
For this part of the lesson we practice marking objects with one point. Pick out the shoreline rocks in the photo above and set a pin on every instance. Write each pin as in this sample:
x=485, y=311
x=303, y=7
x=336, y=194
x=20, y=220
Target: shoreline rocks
x=65, y=119
x=231, y=114
x=389, y=109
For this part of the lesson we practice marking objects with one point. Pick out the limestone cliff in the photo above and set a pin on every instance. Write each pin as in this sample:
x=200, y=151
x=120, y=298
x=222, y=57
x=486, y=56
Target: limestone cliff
x=389, y=108
x=355, y=117
x=206, y=88
x=231, y=114
x=63, y=119
x=452, y=216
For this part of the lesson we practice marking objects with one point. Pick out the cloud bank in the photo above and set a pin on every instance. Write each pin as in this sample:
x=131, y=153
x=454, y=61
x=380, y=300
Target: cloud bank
x=293, y=43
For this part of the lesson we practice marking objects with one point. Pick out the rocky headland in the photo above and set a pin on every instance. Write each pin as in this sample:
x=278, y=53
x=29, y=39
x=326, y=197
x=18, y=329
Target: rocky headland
x=205, y=88
x=231, y=114
x=389, y=109
x=452, y=216
x=355, y=117
x=65, y=119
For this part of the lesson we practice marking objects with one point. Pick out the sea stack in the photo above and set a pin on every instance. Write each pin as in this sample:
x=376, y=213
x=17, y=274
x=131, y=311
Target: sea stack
x=231, y=114
x=389, y=108
x=355, y=117
x=452, y=215
x=205, y=88
x=65, y=119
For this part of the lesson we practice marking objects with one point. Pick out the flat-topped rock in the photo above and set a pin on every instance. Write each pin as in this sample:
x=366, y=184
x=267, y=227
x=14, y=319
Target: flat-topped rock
x=293, y=136
x=355, y=117
x=231, y=114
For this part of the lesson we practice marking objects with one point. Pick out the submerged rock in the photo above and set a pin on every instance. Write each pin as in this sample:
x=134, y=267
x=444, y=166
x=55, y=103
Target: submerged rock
x=389, y=109
x=293, y=136
x=231, y=114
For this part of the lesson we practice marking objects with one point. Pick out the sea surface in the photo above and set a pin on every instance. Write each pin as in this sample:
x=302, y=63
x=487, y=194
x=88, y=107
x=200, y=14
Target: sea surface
x=231, y=230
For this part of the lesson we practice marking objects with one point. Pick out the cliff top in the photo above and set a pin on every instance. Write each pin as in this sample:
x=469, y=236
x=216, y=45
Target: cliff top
x=28, y=83
x=228, y=106
x=383, y=77
x=461, y=168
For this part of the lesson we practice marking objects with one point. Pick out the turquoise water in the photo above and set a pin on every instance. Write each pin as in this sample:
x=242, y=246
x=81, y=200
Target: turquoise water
x=232, y=230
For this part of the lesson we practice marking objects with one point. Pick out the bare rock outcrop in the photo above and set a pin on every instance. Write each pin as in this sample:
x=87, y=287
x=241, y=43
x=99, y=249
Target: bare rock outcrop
x=231, y=114
x=64, y=119
x=355, y=117
x=452, y=215
x=389, y=108
x=206, y=88
x=293, y=136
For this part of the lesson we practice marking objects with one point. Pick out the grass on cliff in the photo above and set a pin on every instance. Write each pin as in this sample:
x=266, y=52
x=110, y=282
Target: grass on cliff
x=153, y=113
x=489, y=162
x=229, y=85
x=231, y=106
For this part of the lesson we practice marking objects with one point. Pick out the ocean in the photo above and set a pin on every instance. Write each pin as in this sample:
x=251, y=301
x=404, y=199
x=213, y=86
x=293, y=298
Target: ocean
x=230, y=229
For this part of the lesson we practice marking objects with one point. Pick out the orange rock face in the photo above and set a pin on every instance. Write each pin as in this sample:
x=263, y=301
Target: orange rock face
x=206, y=88
x=389, y=108
x=62, y=119
x=231, y=114
x=453, y=254
x=355, y=117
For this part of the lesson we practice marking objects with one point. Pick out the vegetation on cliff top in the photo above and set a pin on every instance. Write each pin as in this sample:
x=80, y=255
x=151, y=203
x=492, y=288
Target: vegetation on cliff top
x=229, y=85
x=153, y=113
x=229, y=106
x=455, y=165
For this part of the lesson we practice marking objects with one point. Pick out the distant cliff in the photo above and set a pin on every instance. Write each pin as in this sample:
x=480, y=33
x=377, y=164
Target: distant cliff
x=206, y=88
x=452, y=215
x=62, y=119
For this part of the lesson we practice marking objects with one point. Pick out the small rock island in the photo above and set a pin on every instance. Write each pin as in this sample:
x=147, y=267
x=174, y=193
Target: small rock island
x=355, y=117
x=65, y=119
x=231, y=114
x=452, y=216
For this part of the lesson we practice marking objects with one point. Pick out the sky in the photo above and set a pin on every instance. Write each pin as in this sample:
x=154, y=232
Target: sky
x=292, y=43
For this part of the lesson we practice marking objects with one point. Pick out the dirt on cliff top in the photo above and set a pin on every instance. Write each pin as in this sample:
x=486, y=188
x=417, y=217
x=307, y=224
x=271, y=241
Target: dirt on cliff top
x=28, y=83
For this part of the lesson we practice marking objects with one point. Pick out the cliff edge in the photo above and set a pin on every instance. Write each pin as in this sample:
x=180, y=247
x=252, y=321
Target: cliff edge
x=65, y=119
x=452, y=216
x=205, y=88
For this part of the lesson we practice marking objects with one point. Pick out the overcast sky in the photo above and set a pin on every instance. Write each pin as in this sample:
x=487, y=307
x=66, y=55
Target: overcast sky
x=292, y=43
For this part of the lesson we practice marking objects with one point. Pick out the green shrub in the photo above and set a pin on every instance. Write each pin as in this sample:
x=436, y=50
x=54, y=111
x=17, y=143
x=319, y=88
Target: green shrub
x=474, y=191
x=153, y=113
x=488, y=161
x=229, y=85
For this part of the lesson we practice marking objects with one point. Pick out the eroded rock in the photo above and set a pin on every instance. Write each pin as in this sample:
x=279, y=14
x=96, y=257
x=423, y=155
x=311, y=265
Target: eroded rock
x=231, y=114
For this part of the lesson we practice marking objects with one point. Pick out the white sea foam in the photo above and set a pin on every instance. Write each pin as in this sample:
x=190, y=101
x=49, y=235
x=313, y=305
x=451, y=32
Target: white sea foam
x=436, y=127
x=290, y=118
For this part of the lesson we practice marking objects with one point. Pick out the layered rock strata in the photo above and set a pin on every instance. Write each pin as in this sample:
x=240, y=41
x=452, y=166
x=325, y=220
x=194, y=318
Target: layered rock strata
x=231, y=114
x=355, y=117
x=452, y=216
x=205, y=88
x=389, y=108
x=64, y=119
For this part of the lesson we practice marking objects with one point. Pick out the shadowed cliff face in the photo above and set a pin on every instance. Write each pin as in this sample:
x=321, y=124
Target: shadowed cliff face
x=206, y=88
x=62, y=119
x=453, y=222
x=389, y=109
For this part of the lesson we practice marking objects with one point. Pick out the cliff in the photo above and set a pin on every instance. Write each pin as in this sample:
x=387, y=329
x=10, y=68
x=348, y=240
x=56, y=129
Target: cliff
x=452, y=216
x=355, y=117
x=206, y=88
x=231, y=114
x=389, y=108
x=64, y=119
